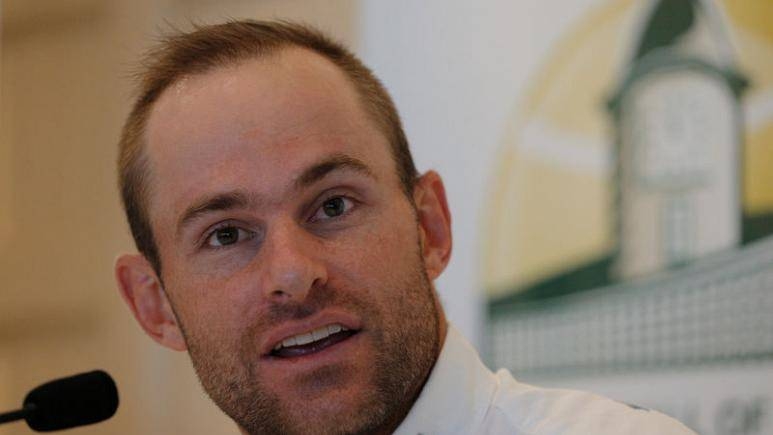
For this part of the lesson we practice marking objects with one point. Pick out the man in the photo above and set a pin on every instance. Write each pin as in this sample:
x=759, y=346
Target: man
x=289, y=245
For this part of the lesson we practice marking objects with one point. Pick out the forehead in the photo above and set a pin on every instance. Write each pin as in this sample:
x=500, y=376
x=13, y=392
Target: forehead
x=253, y=123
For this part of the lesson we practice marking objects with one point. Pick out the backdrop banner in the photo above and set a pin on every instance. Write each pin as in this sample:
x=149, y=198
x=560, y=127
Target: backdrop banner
x=629, y=248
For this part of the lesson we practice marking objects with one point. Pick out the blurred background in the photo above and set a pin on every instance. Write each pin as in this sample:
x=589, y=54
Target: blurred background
x=609, y=166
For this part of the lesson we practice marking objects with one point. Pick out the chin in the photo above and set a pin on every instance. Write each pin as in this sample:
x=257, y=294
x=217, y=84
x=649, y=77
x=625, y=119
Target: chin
x=333, y=404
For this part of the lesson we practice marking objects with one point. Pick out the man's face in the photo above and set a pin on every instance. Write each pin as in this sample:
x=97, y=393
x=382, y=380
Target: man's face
x=291, y=256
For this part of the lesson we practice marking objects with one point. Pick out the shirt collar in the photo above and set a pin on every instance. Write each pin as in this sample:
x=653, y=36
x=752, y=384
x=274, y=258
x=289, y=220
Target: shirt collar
x=457, y=394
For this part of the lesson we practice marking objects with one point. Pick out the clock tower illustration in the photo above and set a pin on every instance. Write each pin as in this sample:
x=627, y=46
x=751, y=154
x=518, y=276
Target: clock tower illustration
x=679, y=140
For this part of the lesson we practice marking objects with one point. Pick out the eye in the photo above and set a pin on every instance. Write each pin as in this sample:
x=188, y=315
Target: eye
x=227, y=235
x=332, y=208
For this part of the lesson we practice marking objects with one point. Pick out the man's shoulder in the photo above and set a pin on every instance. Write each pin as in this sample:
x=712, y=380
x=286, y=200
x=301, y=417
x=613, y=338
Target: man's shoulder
x=530, y=410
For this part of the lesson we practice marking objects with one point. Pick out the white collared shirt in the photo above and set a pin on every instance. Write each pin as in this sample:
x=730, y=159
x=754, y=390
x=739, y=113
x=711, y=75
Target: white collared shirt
x=462, y=396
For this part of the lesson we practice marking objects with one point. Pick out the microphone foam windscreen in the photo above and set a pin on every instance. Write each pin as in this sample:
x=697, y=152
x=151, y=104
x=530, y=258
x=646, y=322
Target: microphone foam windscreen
x=73, y=401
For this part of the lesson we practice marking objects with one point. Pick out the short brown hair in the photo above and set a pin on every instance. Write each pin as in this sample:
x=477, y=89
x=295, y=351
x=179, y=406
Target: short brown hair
x=207, y=47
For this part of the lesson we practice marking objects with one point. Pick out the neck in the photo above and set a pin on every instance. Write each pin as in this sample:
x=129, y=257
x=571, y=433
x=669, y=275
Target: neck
x=442, y=328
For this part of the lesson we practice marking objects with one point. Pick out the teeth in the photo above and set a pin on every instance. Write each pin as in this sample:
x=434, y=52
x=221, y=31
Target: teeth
x=315, y=335
x=304, y=338
x=289, y=342
x=319, y=334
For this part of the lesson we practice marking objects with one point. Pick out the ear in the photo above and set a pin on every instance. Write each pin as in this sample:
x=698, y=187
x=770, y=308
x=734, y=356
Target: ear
x=141, y=290
x=429, y=196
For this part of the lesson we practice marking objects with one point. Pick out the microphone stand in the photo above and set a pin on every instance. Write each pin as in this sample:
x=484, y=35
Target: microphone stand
x=19, y=414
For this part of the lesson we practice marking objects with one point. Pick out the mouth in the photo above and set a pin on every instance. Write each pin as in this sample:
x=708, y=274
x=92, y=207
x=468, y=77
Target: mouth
x=311, y=342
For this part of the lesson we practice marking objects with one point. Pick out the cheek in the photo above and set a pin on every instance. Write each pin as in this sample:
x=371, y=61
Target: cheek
x=380, y=255
x=210, y=285
x=208, y=309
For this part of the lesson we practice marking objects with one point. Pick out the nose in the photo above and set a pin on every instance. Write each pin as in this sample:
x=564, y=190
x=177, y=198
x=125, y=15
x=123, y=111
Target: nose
x=293, y=265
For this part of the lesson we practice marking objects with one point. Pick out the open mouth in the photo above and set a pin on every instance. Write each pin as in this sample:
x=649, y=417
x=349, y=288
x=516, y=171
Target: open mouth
x=311, y=342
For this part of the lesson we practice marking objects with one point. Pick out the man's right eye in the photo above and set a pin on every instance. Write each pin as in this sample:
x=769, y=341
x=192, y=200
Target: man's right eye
x=227, y=236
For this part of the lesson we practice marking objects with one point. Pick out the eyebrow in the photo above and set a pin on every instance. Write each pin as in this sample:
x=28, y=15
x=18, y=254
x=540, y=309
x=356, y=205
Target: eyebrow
x=219, y=202
x=335, y=162
x=239, y=199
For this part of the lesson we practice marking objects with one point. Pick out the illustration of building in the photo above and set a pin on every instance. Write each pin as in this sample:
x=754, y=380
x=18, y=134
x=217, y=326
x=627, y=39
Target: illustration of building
x=716, y=310
x=678, y=148
x=679, y=140
x=690, y=280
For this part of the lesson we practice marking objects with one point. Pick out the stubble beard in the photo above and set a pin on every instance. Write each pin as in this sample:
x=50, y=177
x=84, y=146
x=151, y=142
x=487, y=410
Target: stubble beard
x=405, y=349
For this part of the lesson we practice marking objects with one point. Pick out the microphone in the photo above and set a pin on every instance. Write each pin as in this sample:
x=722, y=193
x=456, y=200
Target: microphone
x=68, y=402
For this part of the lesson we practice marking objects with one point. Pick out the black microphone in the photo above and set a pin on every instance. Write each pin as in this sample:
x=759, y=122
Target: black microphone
x=68, y=402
